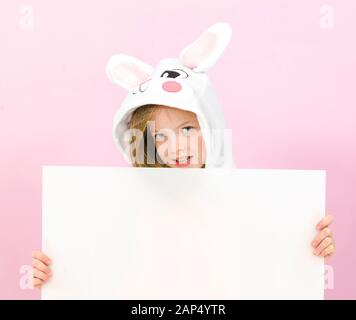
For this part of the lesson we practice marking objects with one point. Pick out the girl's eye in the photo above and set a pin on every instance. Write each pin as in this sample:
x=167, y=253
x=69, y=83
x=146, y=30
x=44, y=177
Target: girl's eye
x=159, y=136
x=187, y=129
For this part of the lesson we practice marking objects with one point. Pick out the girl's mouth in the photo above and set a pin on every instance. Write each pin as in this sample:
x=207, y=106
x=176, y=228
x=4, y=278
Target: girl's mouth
x=184, y=162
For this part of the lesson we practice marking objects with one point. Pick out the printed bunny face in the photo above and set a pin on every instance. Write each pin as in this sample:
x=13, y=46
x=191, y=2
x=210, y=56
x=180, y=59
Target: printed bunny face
x=172, y=82
x=136, y=76
x=169, y=76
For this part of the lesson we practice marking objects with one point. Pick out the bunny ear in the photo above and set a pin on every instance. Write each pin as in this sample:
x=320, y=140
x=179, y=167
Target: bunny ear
x=127, y=72
x=203, y=53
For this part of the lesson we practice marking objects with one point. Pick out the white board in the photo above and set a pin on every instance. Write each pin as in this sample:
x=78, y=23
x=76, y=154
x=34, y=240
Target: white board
x=148, y=233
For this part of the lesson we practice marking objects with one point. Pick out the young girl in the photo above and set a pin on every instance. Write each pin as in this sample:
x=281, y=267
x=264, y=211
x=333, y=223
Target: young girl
x=171, y=118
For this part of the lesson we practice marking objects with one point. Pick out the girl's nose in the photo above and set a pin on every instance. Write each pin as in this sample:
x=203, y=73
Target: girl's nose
x=171, y=86
x=179, y=146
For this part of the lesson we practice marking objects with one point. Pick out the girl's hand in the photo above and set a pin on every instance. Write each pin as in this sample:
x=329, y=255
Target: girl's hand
x=324, y=243
x=41, y=269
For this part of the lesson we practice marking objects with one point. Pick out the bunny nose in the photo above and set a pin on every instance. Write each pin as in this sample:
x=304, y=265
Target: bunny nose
x=172, y=86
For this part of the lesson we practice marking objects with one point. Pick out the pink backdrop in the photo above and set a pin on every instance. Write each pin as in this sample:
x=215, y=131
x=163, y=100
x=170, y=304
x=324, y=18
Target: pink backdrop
x=287, y=87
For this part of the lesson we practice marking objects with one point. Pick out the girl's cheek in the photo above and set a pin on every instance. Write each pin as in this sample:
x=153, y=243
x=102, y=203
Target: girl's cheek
x=163, y=151
x=202, y=150
x=196, y=148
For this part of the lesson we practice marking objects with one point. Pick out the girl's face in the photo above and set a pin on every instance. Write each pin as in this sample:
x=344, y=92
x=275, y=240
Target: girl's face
x=178, y=138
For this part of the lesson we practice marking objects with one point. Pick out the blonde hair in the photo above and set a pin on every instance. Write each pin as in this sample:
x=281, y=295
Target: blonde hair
x=139, y=149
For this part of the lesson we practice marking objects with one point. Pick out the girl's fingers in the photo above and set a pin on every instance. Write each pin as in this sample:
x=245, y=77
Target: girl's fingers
x=325, y=222
x=37, y=283
x=41, y=256
x=37, y=264
x=325, y=243
x=326, y=232
x=328, y=251
x=328, y=256
x=40, y=275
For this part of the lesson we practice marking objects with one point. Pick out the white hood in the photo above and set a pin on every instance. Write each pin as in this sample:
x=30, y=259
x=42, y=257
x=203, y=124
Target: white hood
x=180, y=83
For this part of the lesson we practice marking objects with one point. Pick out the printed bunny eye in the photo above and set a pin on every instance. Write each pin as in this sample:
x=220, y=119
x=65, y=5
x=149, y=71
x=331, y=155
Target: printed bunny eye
x=175, y=74
x=143, y=86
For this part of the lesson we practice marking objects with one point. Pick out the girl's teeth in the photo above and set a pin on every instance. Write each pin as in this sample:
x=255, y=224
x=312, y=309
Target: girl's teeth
x=183, y=160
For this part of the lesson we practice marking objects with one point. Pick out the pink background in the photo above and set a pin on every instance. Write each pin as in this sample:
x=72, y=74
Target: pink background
x=287, y=88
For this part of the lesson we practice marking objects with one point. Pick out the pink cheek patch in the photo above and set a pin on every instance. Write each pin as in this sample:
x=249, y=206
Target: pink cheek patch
x=171, y=86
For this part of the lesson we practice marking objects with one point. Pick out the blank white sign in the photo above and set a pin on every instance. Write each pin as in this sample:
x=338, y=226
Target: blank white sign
x=149, y=233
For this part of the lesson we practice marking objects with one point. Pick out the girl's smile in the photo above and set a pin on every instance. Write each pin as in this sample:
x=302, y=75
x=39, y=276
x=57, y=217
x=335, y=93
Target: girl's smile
x=183, y=162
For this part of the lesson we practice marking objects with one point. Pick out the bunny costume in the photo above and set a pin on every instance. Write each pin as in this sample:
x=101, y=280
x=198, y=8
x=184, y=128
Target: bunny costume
x=180, y=83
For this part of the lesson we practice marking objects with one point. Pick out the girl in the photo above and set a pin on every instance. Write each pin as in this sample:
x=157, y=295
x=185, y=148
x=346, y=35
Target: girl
x=171, y=118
